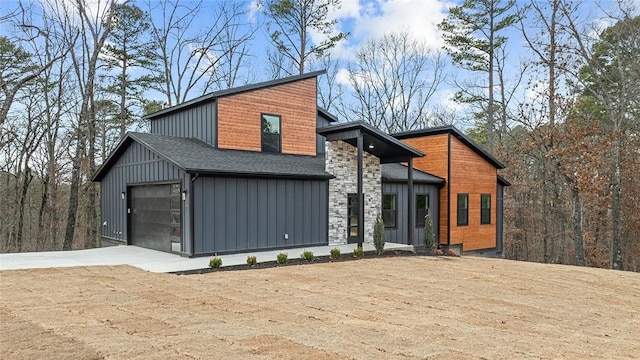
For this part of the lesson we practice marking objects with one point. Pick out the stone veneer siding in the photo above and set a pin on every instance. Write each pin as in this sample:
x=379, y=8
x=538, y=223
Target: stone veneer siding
x=342, y=162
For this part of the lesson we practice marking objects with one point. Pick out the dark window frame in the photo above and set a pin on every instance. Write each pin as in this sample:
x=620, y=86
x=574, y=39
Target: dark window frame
x=464, y=210
x=394, y=211
x=420, y=221
x=262, y=133
x=485, y=212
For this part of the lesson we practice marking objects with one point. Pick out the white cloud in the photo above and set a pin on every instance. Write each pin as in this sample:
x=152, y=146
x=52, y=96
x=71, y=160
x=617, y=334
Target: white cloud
x=419, y=17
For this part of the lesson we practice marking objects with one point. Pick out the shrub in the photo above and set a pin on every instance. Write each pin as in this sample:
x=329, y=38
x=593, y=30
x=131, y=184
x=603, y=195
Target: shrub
x=378, y=236
x=282, y=258
x=437, y=252
x=451, y=253
x=307, y=255
x=429, y=237
x=252, y=260
x=335, y=254
x=358, y=252
x=215, y=262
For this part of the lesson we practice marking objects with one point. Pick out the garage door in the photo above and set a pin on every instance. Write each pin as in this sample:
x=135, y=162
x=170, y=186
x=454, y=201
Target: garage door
x=155, y=217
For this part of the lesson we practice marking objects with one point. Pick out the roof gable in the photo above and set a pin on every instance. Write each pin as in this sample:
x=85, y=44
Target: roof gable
x=217, y=94
x=450, y=129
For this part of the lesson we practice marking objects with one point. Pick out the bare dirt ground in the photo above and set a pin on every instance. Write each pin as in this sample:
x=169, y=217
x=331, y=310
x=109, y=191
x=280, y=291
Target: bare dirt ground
x=388, y=308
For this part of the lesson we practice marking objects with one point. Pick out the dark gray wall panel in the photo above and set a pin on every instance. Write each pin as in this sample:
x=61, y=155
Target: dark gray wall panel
x=400, y=233
x=195, y=122
x=136, y=165
x=233, y=214
x=499, y=217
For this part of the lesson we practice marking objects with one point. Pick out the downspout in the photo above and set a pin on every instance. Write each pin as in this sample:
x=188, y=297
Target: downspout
x=360, y=192
x=449, y=189
x=191, y=214
x=410, y=202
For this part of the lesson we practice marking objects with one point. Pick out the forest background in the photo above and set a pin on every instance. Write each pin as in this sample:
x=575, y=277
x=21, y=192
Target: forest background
x=548, y=86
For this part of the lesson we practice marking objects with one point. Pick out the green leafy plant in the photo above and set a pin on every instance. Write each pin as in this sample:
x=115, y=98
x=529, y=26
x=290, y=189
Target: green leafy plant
x=282, y=258
x=335, y=254
x=428, y=236
x=307, y=255
x=252, y=260
x=379, y=236
x=215, y=262
x=358, y=252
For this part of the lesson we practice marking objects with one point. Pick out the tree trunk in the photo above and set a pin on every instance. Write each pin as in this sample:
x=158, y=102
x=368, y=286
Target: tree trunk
x=576, y=212
x=616, y=246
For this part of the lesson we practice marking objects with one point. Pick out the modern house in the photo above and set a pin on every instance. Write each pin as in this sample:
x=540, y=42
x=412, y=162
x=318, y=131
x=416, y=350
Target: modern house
x=263, y=167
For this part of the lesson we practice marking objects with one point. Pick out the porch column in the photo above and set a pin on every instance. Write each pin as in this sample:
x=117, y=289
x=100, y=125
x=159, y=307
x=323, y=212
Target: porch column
x=360, y=142
x=410, y=202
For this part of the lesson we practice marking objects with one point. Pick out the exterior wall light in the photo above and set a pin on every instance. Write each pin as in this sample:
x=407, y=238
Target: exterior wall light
x=371, y=146
x=122, y=194
x=184, y=195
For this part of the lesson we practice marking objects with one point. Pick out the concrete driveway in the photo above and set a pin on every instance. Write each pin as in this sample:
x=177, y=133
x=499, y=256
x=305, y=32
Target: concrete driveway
x=153, y=260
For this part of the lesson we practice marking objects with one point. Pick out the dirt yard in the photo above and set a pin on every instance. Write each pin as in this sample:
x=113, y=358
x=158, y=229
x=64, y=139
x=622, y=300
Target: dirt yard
x=389, y=308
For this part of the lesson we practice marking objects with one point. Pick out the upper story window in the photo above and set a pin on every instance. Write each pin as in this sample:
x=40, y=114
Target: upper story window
x=389, y=210
x=422, y=206
x=271, y=135
x=485, y=209
x=463, y=209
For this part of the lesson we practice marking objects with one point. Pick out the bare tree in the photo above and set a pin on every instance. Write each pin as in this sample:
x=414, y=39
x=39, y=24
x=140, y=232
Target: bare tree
x=199, y=61
x=290, y=28
x=94, y=29
x=393, y=80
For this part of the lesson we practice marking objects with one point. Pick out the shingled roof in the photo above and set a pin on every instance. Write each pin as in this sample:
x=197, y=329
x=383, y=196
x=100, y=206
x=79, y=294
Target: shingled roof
x=397, y=172
x=195, y=156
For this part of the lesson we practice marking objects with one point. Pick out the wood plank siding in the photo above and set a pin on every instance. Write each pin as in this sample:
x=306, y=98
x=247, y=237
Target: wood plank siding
x=437, y=149
x=473, y=175
x=239, y=120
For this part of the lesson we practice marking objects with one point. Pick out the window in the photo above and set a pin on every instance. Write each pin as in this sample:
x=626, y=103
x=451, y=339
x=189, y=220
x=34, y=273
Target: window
x=485, y=209
x=271, y=140
x=422, y=205
x=389, y=212
x=352, y=217
x=463, y=209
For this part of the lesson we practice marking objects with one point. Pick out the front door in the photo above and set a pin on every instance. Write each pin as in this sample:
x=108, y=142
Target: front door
x=352, y=218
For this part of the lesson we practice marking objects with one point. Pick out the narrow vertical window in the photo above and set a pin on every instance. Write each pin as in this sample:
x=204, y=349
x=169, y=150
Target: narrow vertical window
x=463, y=209
x=389, y=210
x=422, y=205
x=271, y=139
x=485, y=209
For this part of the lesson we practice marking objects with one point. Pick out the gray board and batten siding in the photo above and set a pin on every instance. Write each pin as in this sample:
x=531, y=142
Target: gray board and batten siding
x=234, y=214
x=136, y=166
x=399, y=234
x=192, y=122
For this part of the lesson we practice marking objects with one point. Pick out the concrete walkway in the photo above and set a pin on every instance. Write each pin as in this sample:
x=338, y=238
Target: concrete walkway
x=157, y=261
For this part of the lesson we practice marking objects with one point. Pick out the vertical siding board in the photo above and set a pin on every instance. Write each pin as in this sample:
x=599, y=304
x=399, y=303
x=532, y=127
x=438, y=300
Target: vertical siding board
x=263, y=214
x=291, y=212
x=307, y=201
x=232, y=213
x=196, y=122
x=252, y=214
x=282, y=202
x=242, y=214
x=219, y=215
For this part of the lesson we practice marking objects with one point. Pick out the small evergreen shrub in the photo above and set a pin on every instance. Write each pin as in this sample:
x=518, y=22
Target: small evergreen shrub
x=252, y=260
x=379, y=236
x=307, y=255
x=282, y=258
x=358, y=252
x=429, y=237
x=335, y=254
x=437, y=252
x=215, y=262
